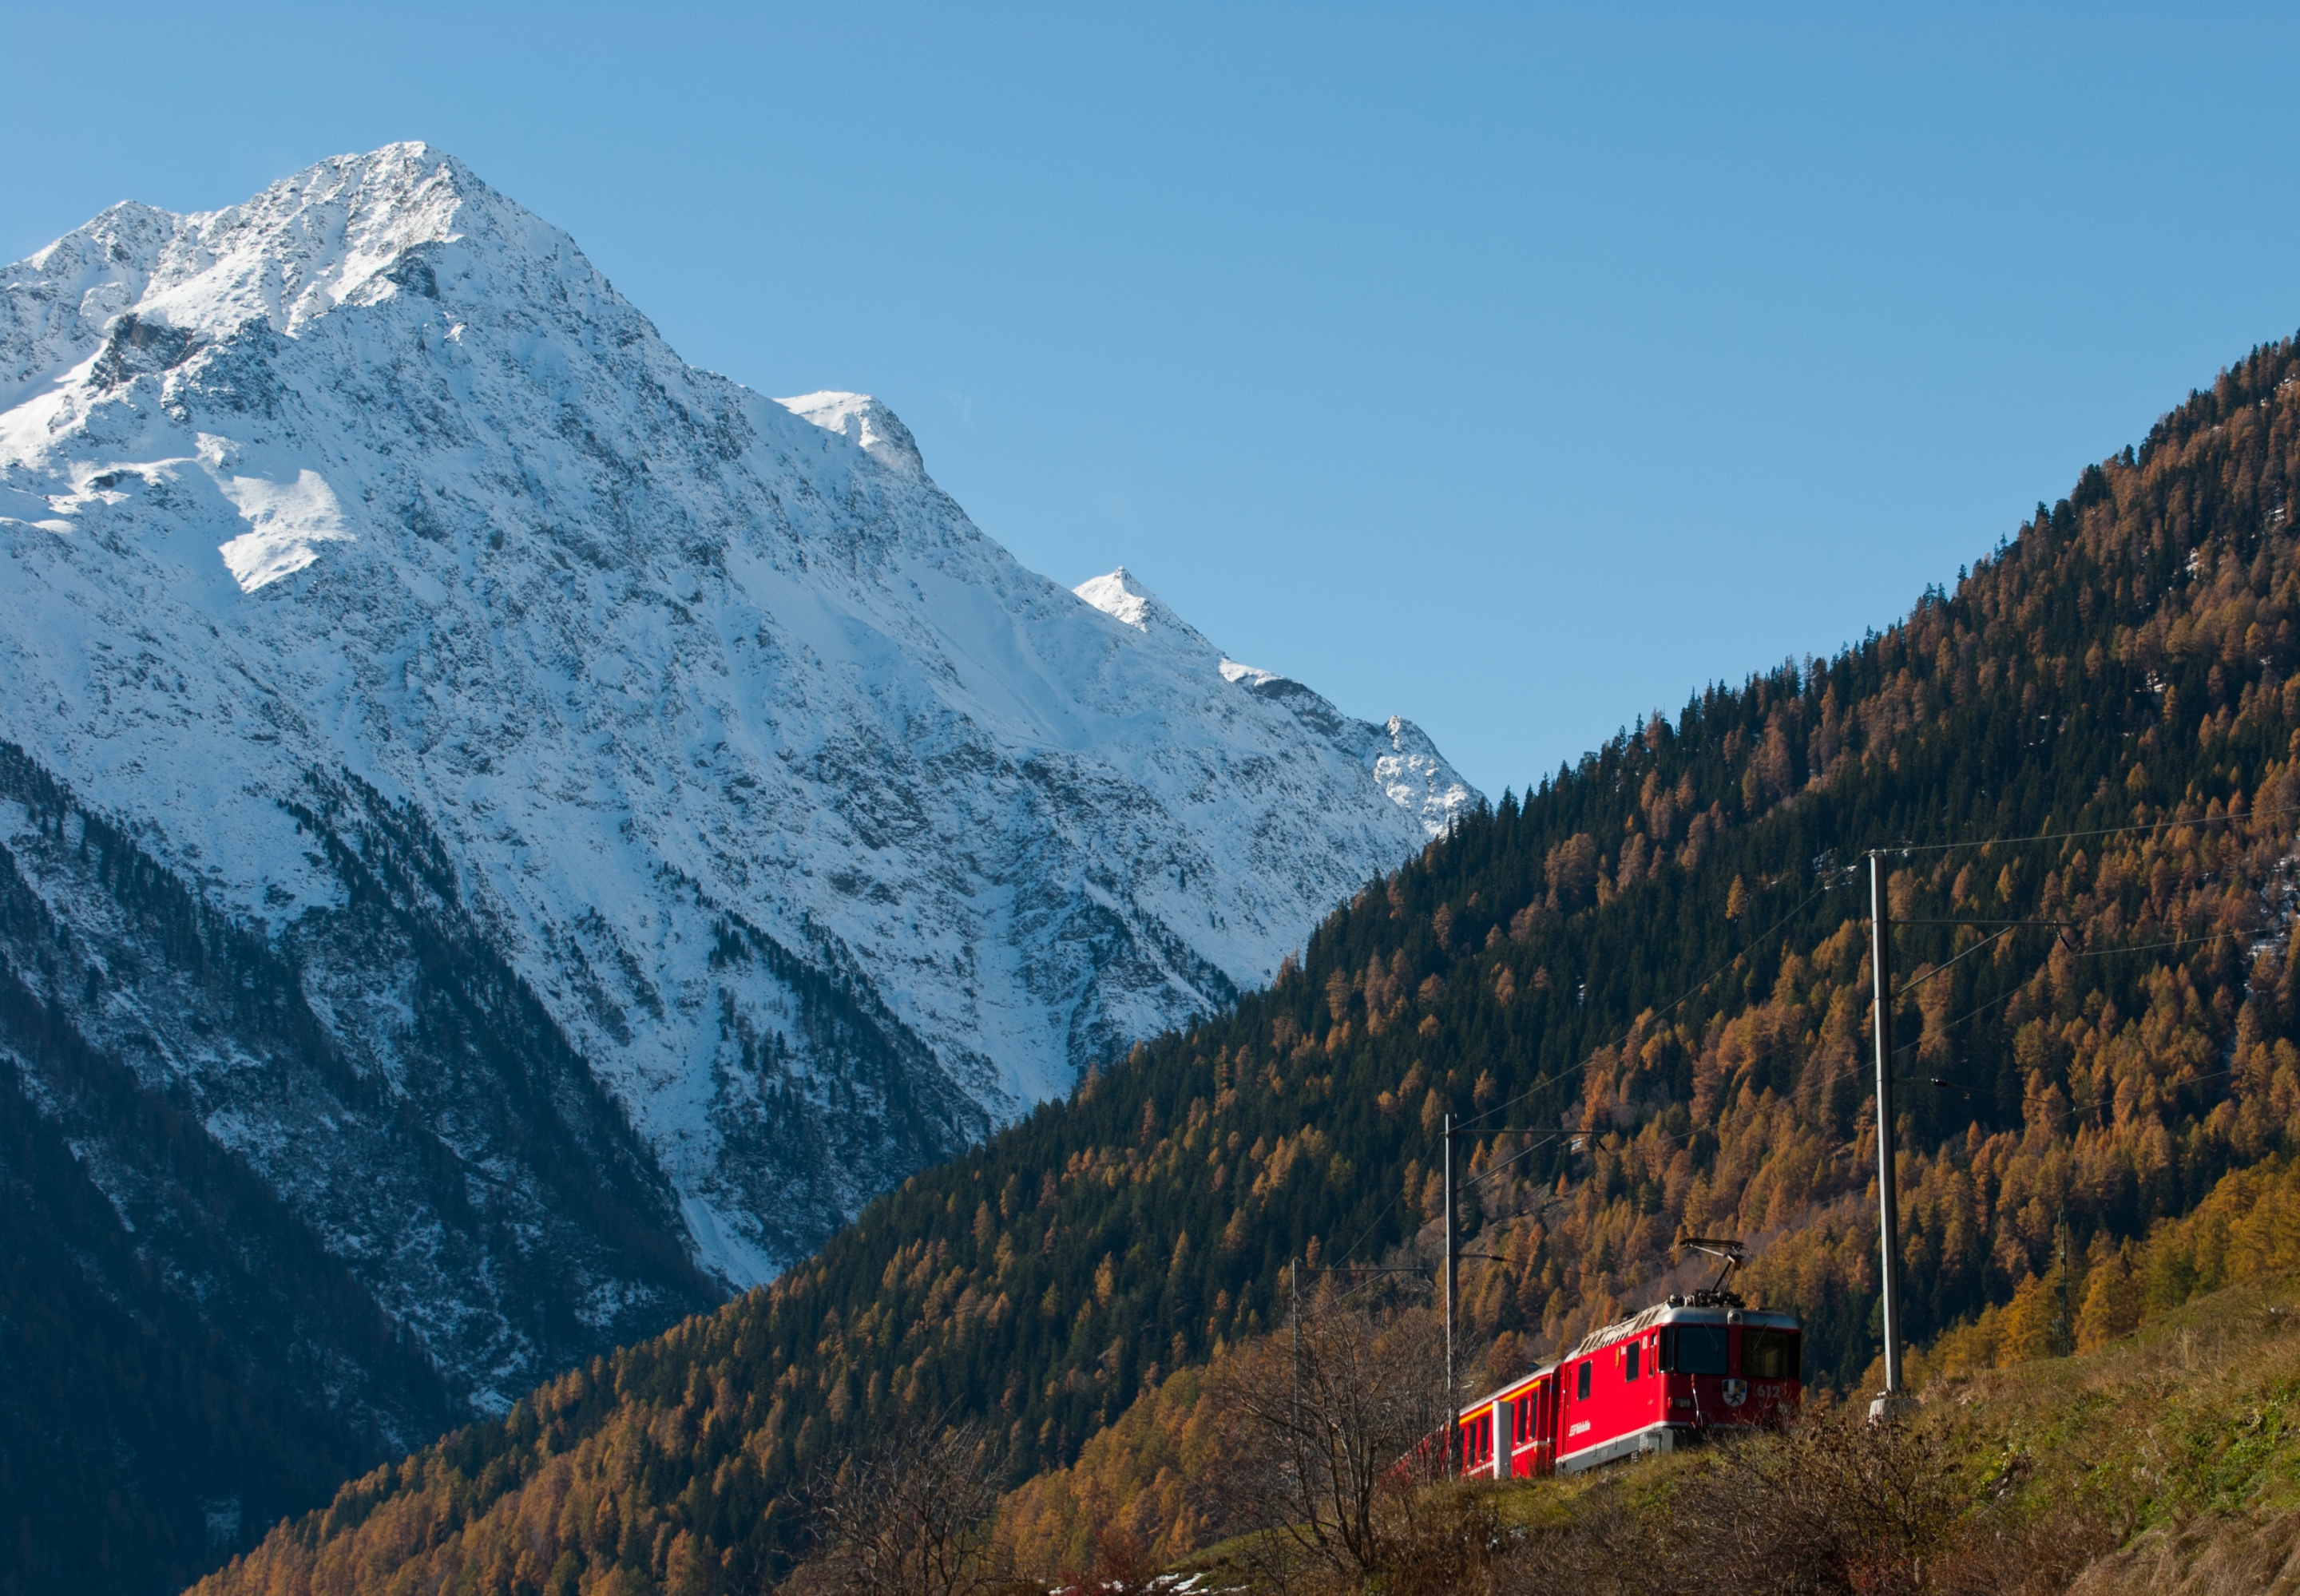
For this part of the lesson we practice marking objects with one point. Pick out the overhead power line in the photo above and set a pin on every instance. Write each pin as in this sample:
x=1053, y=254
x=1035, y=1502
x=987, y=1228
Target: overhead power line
x=2071, y=836
x=1545, y=1138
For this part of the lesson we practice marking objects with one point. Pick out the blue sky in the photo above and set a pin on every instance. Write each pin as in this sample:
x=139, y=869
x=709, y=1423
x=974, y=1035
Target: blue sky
x=1515, y=369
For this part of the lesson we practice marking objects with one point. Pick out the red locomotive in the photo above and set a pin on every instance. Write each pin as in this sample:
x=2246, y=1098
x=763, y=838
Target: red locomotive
x=1688, y=1368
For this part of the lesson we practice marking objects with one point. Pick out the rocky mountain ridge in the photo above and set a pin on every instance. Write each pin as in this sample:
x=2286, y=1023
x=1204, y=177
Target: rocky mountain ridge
x=654, y=818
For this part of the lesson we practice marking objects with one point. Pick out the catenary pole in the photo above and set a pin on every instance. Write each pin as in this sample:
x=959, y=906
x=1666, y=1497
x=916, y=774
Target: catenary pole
x=1453, y=1395
x=1888, y=1218
x=1294, y=1298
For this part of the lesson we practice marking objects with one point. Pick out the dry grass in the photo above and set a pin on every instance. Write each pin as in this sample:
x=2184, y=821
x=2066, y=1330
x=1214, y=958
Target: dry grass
x=2216, y=1554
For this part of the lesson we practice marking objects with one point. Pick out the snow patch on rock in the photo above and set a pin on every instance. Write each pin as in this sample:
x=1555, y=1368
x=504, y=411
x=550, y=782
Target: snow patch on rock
x=864, y=422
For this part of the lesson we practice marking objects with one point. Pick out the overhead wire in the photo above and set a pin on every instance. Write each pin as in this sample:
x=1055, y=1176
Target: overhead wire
x=1960, y=958
x=1819, y=892
x=1543, y=1138
x=2071, y=836
x=1683, y=998
x=2144, y=947
x=1564, y=1074
x=1939, y=1085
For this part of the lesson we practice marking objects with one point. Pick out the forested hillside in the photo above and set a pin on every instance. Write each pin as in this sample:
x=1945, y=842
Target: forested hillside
x=1648, y=980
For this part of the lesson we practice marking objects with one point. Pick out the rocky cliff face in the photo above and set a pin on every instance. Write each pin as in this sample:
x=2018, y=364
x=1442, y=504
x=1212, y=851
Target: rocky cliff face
x=568, y=828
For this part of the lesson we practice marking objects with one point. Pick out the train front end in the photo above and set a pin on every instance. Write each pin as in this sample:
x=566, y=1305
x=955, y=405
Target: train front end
x=1674, y=1373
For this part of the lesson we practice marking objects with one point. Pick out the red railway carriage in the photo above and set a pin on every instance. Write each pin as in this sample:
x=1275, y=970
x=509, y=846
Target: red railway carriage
x=1648, y=1384
x=1513, y=1432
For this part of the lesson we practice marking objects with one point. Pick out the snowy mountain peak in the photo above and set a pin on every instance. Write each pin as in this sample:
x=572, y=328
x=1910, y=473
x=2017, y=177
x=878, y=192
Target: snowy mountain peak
x=317, y=235
x=359, y=540
x=330, y=235
x=864, y=422
x=142, y=290
x=1123, y=598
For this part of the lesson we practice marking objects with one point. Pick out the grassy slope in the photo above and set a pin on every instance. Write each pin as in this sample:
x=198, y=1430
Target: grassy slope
x=2197, y=1414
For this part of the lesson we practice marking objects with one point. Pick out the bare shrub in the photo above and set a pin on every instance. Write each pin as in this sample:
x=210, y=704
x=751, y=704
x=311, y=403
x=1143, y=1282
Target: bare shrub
x=1442, y=1542
x=1989, y=1555
x=907, y=1516
x=1325, y=1442
x=1612, y=1544
x=1832, y=1507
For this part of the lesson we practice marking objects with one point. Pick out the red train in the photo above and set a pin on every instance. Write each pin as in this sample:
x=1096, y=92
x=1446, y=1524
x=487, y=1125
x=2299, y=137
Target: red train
x=1676, y=1373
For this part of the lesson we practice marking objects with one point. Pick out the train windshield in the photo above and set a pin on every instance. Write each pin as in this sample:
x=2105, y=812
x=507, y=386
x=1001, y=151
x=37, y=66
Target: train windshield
x=1769, y=1354
x=1693, y=1349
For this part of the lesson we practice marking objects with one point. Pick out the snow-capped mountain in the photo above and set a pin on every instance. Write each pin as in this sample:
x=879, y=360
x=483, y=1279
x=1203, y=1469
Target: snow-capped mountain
x=662, y=818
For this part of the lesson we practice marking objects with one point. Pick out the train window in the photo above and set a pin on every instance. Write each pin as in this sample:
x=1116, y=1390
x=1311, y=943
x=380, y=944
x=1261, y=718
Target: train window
x=1581, y=1385
x=1693, y=1349
x=1630, y=1362
x=1769, y=1354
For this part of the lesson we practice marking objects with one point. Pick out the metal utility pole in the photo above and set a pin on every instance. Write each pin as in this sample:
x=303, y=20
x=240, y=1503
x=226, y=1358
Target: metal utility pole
x=2064, y=1328
x=1294, y=1298
x=1889, y=1215
x=1452, y=1270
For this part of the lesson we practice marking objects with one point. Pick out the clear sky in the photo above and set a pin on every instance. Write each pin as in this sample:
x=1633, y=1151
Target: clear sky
x=1514, y=370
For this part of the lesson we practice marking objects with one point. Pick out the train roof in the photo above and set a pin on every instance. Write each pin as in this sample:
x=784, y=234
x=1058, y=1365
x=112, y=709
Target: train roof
x=1661, y=1313
x=1669, y=1313
x=1512, y=1389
